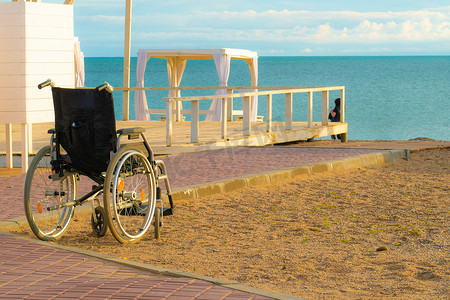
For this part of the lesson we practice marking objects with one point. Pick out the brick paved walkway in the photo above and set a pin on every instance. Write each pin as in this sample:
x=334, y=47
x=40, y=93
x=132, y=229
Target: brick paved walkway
x=196, y=168
x=30, y=270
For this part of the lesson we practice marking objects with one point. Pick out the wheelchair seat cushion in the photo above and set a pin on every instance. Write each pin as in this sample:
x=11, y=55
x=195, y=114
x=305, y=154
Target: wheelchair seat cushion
x=85, y=127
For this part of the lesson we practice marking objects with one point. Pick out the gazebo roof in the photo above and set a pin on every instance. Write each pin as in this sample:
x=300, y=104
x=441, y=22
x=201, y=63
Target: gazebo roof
x=199, y=53
x=176, y=62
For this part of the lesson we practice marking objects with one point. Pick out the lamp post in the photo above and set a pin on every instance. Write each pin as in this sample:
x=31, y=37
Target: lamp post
x=126, y=62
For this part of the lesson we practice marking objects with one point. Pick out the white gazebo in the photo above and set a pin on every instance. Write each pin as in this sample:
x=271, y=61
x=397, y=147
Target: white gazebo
x=176, y=62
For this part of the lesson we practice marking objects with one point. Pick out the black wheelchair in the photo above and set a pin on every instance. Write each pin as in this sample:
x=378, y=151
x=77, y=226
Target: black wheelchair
x=85, y=142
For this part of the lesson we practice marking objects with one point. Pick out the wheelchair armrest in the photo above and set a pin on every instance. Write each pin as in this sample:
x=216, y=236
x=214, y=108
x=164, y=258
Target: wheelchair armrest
x=133, y=133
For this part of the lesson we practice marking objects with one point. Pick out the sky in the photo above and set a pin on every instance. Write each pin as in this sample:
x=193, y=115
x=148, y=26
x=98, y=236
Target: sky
x=276, y=28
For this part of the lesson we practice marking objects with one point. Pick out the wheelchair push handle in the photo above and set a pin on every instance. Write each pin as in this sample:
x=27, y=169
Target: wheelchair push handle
x=104, y=86
x=48, y=82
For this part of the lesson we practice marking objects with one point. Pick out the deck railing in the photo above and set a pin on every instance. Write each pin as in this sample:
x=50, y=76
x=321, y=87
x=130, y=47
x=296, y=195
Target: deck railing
x=173, y=112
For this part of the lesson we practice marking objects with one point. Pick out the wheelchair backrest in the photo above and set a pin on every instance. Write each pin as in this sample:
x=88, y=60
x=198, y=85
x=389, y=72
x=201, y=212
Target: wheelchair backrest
x=85, y=127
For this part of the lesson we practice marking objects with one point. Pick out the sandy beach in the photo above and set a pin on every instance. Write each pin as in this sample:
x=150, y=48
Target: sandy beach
x=365, y=233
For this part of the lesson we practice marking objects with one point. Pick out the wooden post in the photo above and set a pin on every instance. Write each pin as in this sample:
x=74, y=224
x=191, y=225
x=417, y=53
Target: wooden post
x=343, y=135
x=30, y=138
x=230, y=106
x=179, y=116
x=288, y=111
x=126, y=62
x=195, y=119
x=343, y=105
x=9, y=152
x=176, y=92
x=325, y=107
x=169, y=117
x=224, y=118
x=24, y=147
x=310, y=108
x=246, y=124
x=269, y=113
x=174, y=89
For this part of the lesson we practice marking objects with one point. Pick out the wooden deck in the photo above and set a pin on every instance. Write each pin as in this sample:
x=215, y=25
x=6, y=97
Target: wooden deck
x=210, y=133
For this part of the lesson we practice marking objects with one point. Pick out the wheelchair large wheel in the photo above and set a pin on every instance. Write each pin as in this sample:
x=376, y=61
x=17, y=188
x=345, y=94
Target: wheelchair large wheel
x=129, y=195
x=41, y=192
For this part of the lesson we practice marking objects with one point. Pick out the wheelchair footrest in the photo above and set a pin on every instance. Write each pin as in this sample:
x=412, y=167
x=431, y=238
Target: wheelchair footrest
x=142, y=210
x=167, y=211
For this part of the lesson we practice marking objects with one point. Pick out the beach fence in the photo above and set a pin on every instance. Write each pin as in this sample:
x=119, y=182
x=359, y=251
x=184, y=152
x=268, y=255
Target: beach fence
x=250, y=133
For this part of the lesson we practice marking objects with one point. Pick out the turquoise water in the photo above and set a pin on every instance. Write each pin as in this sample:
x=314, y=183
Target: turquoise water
x=389, y=98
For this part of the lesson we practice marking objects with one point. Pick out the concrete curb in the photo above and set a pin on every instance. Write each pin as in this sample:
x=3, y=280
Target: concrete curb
x=371, y=160
x=161, y=271
x=21, y=222
x=13, y=224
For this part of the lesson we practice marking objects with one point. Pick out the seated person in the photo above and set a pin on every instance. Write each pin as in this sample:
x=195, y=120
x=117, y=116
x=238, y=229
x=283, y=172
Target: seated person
x=335, y=115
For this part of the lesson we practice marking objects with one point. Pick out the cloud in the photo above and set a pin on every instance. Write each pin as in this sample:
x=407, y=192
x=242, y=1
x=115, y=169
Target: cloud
x=285, y=18
x=284, y=31
x=316, y=27
x=103, y=19
x=364, y=32
x=276, y=51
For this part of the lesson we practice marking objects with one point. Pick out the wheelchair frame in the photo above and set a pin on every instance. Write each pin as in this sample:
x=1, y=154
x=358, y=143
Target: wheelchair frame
x=130, y=203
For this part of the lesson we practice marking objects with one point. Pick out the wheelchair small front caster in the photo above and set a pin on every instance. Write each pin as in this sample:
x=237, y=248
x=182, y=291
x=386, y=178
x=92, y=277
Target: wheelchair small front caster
x=157, y=223
x=98, y=221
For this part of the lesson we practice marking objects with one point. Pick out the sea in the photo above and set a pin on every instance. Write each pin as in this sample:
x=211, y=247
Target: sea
x=387, y=97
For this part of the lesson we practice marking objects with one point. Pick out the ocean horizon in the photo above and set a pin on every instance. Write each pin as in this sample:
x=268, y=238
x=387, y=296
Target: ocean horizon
x=387, y=97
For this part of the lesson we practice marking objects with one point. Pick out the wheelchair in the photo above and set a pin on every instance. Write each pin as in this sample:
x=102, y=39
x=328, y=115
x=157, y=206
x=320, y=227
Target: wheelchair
x=85, y=142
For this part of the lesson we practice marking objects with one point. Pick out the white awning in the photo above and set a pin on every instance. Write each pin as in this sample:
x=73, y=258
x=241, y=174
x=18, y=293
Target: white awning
x=79, y=64
x=176, y=61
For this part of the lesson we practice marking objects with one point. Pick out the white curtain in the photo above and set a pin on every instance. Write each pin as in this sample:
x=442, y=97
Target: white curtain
x=175, y=70
x=222, y=62
x=79, y=64
x=253, y=65
x=140, y=101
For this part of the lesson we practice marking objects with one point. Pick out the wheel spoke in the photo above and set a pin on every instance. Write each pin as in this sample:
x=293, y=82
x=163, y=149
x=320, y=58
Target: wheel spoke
x=47, y=225
x=128, y=174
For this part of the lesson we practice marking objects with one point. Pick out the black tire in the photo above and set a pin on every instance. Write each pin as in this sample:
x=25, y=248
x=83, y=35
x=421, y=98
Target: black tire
x=40, y=192
x=98, y=221
x=129, y=195
x=157, y=223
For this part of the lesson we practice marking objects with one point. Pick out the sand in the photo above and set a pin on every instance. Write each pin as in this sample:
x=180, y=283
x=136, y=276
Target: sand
x=364, y=233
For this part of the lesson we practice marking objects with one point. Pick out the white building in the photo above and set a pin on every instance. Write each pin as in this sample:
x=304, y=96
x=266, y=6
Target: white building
x=36, y=43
